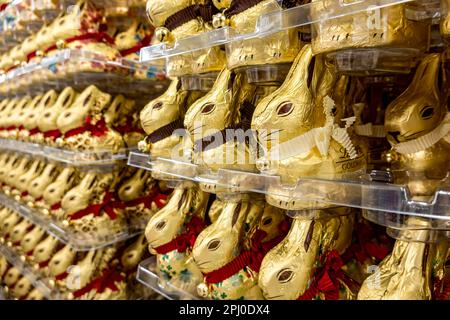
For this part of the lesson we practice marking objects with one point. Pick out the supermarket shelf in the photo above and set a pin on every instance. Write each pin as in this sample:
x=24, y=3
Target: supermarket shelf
x=358, y=191
x=85, y=159
x=276, y=20
x=79, y=241
x=26, y=270
x=71, y=67
x=148, y=276
x=21, y=18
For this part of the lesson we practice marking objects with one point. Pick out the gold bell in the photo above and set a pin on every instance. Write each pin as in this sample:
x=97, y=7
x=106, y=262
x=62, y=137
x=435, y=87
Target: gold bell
x=143, y=146
x=59, y=142
x=219, y=21
x=203, y=290
x=60, y=44
x=39, y=53
x=162, y=34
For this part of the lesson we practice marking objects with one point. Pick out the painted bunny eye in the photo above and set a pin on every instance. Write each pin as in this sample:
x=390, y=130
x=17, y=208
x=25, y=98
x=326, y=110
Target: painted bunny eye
x=285, y=275
x=66, y=100
x=285, y=109
x=160, y=225
x=267, y=221
x=213, y=245
x=158, y=106
x=427, y=113
x=87, y=99
x=208, y=108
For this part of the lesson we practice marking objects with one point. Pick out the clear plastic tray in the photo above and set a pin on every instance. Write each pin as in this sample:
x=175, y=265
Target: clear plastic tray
x=37, y=280
x=278, y=21
x=78, y=241
x=358, y=190
x=90, y=159
x=147, y=275
x=134, y=79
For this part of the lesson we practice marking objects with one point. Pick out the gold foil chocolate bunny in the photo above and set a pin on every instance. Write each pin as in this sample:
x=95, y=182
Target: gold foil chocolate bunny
x=138, y=35
x=416, y=126
x=229, y=252
x=299, y=130
x=37, y=186
x=179, y=19
x=214, y=119
x=307, y=264
x=84, y=126
x=141, y=196
x=90, y=207
x=47, y=123
x=379, y=34
x=171, y=234
x=277, y=48
x=55, y=191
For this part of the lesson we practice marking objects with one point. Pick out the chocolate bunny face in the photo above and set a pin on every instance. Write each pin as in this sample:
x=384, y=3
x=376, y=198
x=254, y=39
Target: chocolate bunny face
x=220, y=242
x=21, y=288
x=90, y=102
x=81, y=195
x=48, y=121
x=83, y=17
x=35, y=114
x=26, y=115
x=32, y=173
x=133, y=254
x=138, y=33
x=56, y=190
x=418, y=110
x=161, y=117
x=287, y=112
x=135, y=186
x=37, y=186
x=61, y=261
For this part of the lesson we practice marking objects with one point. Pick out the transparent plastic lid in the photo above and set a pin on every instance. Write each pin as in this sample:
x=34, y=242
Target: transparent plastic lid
x=80, y=68
x=36, y=279
x=92, y=159
x=354, y=190
x=274, y=22
x=148, y=275
x=79, y=241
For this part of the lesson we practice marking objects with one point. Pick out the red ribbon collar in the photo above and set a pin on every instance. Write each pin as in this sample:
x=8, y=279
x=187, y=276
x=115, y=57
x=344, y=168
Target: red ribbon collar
x=98, y=129
x=185, y=240
x=106, y=281
x=251, y=258
x=108, y=205
x=54, y=134
x=327, y=281
x=128, y=128
x=98, y=36
x=143, y=43
x=147, y=200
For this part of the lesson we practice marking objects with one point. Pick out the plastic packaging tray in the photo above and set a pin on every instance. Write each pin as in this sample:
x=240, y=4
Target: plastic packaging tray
x=147, y=275
x=358, y=191
x=78, y=241
x=62, y=70
x=26, y=270
x=88, y=159
x=277, y=21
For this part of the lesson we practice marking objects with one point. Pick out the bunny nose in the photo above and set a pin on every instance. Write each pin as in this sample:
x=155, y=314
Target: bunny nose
x=394, y=134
